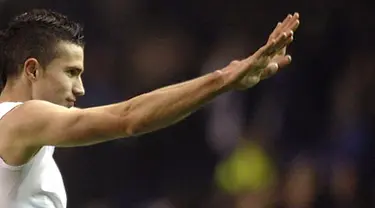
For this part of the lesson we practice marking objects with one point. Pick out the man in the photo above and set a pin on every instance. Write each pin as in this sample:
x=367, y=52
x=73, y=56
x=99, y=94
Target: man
x=42, y=62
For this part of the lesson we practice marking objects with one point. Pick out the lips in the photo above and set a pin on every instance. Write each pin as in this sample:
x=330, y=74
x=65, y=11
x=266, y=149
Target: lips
x=71, y=102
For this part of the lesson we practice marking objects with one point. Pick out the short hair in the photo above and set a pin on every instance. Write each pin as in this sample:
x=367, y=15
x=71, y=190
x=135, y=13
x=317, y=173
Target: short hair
x=35, y=34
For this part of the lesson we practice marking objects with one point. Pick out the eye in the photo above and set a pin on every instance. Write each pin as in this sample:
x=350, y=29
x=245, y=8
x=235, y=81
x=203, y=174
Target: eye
x=72, y=72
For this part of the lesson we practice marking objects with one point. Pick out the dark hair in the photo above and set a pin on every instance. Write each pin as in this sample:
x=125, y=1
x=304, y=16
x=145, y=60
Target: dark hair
x=35, y=34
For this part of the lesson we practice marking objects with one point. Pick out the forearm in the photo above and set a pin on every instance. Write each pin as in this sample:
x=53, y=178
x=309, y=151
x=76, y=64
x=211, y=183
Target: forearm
x=168, y=105
x=179, y=85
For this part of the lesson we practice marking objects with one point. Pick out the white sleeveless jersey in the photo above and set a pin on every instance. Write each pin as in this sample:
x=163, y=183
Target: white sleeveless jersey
x=36, y=184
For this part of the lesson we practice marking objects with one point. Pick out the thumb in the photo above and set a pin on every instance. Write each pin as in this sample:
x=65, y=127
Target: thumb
x=284, y=61
x=270, y=70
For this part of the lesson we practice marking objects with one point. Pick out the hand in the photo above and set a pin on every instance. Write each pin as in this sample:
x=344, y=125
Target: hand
x=281, y=59
x=266, y=61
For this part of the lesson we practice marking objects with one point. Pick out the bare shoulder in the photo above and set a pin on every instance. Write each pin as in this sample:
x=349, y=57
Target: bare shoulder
x=40, y=106
x=13, y=149
x=38, y=123
x=20, y=129
x=30, y=114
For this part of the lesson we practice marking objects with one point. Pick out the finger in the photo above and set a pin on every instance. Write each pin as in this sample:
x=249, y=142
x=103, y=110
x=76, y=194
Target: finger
x=265, y=50
x=250, y=81
x=277, y=27
x=282, y=25
x=290, y=22
x=286, y=22
x=274, y=45
x=290, y=40
x=275, y=66
x=294, y=18
x=296, y=14
x=284, y=61
x=283, y=40
x=293, y=23
x=269, y=71
x=275, y=31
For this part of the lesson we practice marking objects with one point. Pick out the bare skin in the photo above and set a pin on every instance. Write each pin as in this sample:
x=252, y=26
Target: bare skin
x=46, y=116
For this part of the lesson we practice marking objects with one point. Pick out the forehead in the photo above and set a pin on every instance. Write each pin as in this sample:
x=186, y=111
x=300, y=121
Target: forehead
x=68, y=55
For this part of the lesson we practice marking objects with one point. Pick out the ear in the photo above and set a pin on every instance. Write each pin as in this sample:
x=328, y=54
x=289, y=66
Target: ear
x=32, y=69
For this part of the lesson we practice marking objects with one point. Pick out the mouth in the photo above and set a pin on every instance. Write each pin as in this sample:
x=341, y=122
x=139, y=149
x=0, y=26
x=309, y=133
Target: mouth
x=71, y=102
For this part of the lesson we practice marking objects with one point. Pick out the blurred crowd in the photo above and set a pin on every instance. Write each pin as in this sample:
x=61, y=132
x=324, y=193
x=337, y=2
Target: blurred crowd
x=302, y=139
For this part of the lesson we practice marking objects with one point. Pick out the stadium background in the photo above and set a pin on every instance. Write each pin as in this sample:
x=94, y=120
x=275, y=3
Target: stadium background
x=302, y=139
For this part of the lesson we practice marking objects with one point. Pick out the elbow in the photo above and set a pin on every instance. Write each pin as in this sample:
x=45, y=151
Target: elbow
x=129, y=131
x=132, y=127
x=133, y=120
x=135, y=124
x=129, y=124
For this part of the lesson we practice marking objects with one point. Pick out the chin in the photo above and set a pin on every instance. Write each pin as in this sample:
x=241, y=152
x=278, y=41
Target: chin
x=69, y=106
x=65, y=105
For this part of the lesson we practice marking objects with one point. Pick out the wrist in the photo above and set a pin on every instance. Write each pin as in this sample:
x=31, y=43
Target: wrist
x=222, y=78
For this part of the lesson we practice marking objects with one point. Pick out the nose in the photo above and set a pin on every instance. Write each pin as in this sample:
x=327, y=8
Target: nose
x=78, y=89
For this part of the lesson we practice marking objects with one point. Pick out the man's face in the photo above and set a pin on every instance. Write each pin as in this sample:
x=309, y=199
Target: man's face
x=60, y=82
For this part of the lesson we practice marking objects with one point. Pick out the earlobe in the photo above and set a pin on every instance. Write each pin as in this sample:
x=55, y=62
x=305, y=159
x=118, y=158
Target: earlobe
x=31, y=68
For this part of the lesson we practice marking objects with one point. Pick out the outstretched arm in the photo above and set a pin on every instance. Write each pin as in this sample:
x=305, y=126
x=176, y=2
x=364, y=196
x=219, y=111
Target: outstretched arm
x=38, y=123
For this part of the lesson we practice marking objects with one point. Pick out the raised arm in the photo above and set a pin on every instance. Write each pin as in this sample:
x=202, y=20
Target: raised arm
x=38, y=123
x=51, y=124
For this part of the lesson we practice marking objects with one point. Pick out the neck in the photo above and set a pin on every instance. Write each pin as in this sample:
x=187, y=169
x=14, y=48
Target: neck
x=15, y=91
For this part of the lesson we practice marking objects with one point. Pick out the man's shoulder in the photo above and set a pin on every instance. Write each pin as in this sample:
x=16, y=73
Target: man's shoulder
x=10, y=105
x=31, y=107
x=16, y=146
x=5, y=107
x=18, y=116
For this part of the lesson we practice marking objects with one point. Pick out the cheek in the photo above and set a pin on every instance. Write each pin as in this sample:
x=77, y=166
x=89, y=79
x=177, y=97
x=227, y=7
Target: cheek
x=62, y=85
x=58, y=85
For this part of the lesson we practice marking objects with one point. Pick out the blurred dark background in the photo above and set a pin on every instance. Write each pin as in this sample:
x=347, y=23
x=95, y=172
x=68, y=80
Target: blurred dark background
x=302, y=139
